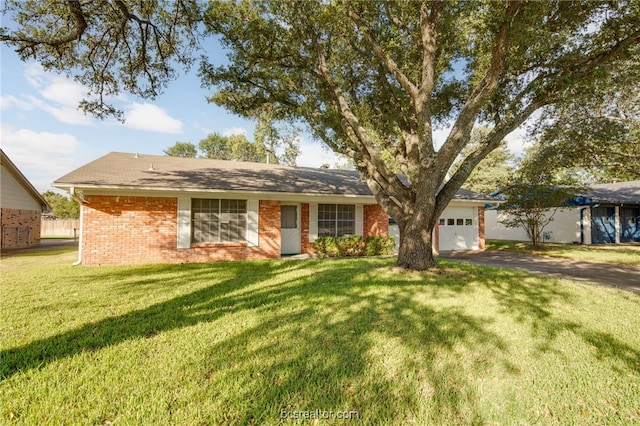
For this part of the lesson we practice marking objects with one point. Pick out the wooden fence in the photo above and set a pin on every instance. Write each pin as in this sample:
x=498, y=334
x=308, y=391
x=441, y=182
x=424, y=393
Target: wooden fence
x=60, y=228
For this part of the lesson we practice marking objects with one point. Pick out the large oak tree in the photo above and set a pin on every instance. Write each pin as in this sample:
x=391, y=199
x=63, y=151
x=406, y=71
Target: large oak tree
x=372, y=79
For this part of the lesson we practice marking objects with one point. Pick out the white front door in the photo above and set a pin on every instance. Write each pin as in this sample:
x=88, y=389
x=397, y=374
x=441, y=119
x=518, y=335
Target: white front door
x=289, y=229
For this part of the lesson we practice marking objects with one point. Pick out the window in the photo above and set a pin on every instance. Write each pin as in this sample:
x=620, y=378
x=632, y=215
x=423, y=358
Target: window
x=288, y=217
x=459, y=222
x=441, y=221
x=218, y=221
x=336, y=220
x=450, y=222
x=468, y=222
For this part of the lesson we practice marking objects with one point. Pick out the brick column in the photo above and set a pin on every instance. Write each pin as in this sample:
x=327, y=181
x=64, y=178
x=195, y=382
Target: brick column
x=305, y=244
x=375, y=221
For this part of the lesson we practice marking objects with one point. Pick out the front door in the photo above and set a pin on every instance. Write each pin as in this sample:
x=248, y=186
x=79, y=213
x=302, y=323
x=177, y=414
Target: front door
x=290, y=229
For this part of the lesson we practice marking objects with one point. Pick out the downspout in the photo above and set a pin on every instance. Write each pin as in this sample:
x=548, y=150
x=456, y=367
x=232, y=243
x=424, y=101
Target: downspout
x=76, y=197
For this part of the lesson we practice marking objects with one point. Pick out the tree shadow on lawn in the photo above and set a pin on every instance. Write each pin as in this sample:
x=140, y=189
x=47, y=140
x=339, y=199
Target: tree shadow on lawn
x=385, y=357
x=334, y=337
x=529, y=302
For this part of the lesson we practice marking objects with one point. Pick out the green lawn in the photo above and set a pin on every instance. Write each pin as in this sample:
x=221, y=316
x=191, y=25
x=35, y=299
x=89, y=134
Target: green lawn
x=625, y=254
x=246, y=342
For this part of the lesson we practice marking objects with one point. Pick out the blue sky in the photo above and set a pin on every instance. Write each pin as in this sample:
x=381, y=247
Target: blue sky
x=46, y=136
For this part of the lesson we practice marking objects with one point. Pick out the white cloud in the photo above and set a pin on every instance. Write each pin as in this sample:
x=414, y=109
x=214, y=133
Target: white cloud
x=314, y=154
x=151, y=118
x=35, y=75
x=68, y=114
x=516, y=141
x=41, y=156
x=64, y=91
x=57, y=95
x=32, y=142
x=234, y=131
x=9, y=101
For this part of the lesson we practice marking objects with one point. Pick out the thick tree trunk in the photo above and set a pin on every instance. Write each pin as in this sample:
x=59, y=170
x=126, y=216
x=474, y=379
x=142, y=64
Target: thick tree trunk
x=416, y=250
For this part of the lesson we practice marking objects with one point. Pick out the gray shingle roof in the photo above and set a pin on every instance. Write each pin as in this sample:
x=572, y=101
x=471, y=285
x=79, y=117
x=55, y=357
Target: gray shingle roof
x=137, y=171
x=127, y=170
x=617, y=193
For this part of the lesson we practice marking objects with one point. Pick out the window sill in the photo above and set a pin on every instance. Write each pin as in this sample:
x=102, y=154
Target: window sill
x=218, y=245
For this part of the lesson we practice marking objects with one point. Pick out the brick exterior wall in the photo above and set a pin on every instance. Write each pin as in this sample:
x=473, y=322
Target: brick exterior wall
x=481, y=242
x=137, y=230
x=375, y=221
x=306, y=245
x=122, y=230
x=20, y=228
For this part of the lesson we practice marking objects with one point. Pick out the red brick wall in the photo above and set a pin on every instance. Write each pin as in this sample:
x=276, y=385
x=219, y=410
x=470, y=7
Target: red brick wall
x=268, y=231
x=137, y=230
x=481, y=242
x=306, y=245
x=128, y=230
x=375, y=221
x=14, y=238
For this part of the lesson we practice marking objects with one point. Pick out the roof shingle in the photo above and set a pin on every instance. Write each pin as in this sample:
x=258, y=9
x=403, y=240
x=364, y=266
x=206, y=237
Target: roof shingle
x=153, y=172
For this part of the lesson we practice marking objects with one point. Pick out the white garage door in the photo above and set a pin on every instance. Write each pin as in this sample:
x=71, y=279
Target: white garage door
x=458, y=228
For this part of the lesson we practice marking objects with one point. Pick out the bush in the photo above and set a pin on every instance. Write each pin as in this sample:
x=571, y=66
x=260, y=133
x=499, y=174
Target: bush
x=354, y=246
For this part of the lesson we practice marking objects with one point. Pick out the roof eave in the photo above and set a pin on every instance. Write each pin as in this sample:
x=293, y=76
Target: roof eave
x=140, y=190
x=17, y=174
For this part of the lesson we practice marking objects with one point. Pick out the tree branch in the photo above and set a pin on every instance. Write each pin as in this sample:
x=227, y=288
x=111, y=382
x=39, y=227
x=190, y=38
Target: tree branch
x=462, y=127
x=75, y=9
x=391, y=65
x=490, y=142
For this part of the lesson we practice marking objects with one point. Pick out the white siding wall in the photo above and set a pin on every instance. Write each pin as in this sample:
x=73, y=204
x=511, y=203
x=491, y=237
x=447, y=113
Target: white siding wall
x=564, y=228
x=14, y=196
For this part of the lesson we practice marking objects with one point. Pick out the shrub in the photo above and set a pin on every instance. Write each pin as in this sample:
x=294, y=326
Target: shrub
x=353, y=246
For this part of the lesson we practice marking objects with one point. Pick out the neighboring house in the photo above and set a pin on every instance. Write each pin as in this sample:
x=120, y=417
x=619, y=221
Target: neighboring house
x=606, y=213
x=150, y=209
x=21, y=208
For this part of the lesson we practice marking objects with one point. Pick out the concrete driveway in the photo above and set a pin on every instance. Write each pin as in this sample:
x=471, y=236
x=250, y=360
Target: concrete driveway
x=624, y=277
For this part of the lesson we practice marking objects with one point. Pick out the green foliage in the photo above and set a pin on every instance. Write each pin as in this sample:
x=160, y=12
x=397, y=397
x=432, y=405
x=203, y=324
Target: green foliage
x=182, y=149
x=353, y=246
x=272, y=144
x=62, y=207
x=372, y=79
x=493, y=172
x=595, y=138
x=273, y=139
x=533, y=196
x=109, y=46
x=233, y=147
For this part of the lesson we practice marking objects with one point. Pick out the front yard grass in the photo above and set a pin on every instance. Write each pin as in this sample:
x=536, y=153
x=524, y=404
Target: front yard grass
x=624, y=254
x=254, y=342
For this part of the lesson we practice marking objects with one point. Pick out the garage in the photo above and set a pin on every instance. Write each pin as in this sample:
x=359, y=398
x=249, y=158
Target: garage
x=458, y=228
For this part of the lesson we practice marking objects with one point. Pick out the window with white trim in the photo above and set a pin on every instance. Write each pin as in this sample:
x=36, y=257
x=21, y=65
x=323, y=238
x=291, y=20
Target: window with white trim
x=218, y=221
x=336, y=220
